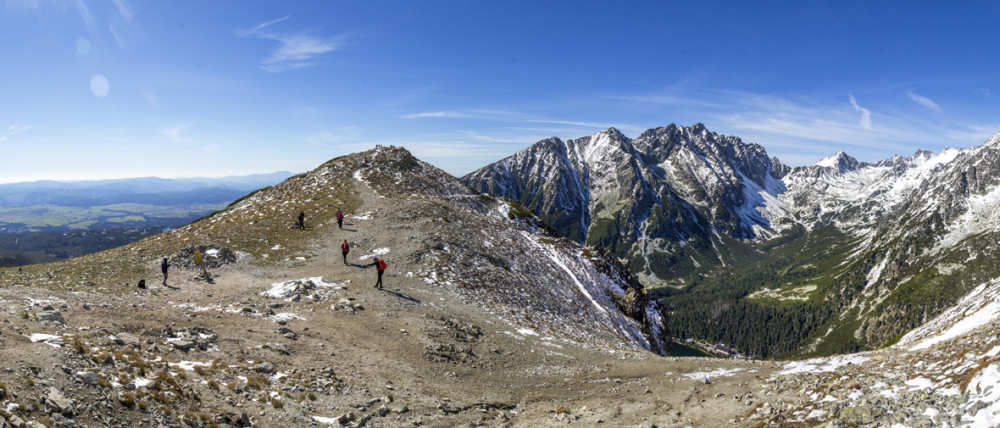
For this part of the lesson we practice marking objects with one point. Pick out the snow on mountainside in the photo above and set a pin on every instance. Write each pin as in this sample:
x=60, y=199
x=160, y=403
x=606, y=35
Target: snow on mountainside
x=662, y=201
x=883, y=246
x=838, y=183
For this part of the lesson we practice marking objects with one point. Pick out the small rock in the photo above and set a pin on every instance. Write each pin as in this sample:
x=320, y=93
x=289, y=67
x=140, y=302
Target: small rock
x=278, y=347
x=89, y=378
x=183, y=345
x=346, y=418
x=265, y=367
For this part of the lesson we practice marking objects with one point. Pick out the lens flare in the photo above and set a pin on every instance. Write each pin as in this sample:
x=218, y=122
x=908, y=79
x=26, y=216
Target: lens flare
x=83, y=46
x=99, y=85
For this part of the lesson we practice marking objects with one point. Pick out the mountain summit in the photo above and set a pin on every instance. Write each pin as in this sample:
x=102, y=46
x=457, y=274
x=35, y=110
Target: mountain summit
x=660, y=201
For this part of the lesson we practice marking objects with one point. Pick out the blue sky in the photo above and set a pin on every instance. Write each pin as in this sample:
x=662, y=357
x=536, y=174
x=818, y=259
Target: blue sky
x=109, y=89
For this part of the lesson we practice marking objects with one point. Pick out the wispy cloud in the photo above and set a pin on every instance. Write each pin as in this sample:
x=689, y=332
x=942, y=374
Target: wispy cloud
x=174, y=132
x=439, y=114
x=924, y=101
x=12, y=130
x=801, y=130
x=571, y=123
x=866, y=115
x=297, y=49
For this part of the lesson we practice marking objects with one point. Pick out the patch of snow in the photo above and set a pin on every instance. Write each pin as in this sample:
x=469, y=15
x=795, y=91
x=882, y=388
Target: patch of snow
x=555, y=258
x=983, y=387
x=527, y=332
x=826, y=364
x=375, y=253
x=48, y=339
x=976, y=309
x=713, y=374
x=876, y=273
x=188, y=365
x=285, y=316
x=919, y=383
x=980, y=217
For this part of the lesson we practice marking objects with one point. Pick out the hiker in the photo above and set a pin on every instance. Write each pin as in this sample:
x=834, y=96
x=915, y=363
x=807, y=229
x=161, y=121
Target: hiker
x=345, y=248
x=199, y=261
x=340, y=220
x=163, y=267
x=302, y=220
x=380, y=266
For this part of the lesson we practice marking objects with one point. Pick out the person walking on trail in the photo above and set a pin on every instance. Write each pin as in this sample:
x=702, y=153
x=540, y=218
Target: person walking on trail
x=200, y=261
x=302, y=220
x=340, y=220
x=380, y=266
x=345, y=248
x=163, y=267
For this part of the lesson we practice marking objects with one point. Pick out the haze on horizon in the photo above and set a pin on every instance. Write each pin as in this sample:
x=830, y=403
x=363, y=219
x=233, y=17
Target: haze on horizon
x=97, y=90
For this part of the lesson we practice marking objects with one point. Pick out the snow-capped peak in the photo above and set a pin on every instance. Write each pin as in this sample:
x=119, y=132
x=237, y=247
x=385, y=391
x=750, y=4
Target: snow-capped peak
x=840, y=161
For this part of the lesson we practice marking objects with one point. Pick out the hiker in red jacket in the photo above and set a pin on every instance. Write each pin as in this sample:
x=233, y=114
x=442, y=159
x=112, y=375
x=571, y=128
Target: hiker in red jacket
x=340, y=220
x=345, y=248
x=380, y=266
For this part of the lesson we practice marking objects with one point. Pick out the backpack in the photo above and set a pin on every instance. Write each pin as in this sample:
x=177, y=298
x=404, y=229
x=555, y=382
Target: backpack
x=345, y=247
x=340, y=215
x=381, y=264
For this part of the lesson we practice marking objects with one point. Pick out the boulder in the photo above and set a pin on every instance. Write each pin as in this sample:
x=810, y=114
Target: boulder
x=265, y=367
x=51, y=315
x=59, y=403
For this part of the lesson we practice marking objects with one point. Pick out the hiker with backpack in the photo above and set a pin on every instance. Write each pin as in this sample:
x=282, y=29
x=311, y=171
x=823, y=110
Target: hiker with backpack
x=380, y=266
x=345, y=248
x=201, y=262
x=163, y=267
x=340, y=220
x=302, y=220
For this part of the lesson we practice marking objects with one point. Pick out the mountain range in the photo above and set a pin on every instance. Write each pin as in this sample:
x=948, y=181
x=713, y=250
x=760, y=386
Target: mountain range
x=142, y=190
x=489, y=318
x=847, y=255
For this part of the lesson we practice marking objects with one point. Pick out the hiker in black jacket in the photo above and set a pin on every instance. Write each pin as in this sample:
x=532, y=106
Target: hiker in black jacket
x=345, y=249
x=163, y=267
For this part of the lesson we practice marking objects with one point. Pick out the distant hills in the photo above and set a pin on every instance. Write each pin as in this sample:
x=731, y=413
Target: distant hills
x=134, y=202
x=45, y=221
